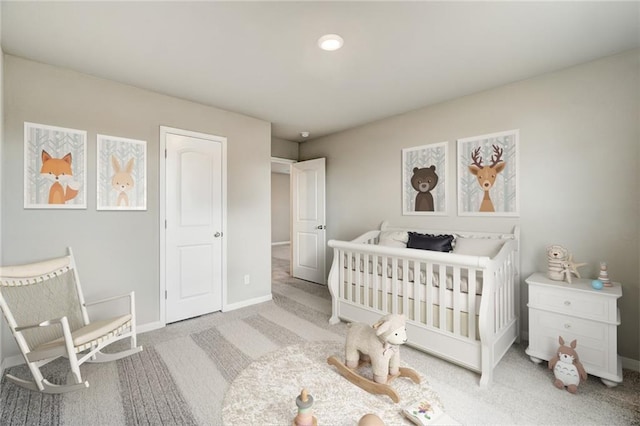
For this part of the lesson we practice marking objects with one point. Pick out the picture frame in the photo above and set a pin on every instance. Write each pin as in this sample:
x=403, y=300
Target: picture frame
x=488, y=174
x=421, y=165
x=121, y=173
x=55, y=167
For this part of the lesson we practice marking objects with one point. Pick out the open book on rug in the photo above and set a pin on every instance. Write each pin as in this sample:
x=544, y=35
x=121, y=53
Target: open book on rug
x=422, y=412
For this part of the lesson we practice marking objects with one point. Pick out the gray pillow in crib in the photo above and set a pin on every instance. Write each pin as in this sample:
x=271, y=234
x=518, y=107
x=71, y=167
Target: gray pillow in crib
x=478, y=246
x=393, y=239
x=430, y=242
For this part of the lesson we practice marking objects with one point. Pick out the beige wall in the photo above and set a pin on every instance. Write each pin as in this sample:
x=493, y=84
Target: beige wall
x=579, y=162
x=280, y=208
x=282, y=148
x=119, y=251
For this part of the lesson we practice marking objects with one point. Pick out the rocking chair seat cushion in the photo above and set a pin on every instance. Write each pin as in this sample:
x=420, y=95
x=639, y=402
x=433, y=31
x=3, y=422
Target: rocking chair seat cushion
x=83, y=338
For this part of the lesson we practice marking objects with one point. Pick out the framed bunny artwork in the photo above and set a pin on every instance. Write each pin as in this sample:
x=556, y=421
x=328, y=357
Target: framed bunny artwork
x=122, y=173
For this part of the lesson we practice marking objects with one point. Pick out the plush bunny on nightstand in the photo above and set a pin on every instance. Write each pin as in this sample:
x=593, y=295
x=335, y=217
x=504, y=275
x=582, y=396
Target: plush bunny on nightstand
x=566, y=367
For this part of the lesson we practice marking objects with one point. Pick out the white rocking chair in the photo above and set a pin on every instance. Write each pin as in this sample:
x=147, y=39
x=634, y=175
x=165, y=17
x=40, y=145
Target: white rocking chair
x=47, y=314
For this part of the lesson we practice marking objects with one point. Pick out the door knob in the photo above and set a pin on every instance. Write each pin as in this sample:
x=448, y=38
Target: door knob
x=321, y=227
x=217, y=234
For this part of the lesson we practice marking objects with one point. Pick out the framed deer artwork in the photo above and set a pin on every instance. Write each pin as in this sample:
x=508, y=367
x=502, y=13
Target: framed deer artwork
x=55, y=167
x=424, y=180
x=122, y=176
x=488, y=175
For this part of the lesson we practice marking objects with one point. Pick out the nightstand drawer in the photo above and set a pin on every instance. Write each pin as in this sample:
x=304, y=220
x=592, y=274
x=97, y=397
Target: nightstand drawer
x=573, y=303
x=593, y=337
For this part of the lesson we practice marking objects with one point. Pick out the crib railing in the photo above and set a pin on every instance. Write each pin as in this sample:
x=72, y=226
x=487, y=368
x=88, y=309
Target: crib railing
x=424, y=285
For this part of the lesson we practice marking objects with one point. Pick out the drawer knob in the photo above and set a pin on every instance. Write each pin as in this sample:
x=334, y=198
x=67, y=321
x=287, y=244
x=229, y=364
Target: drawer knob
x=567, y=326
x=567, y=303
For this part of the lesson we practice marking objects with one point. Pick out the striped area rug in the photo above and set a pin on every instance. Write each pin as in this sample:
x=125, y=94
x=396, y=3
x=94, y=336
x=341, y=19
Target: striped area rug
x=185, y=369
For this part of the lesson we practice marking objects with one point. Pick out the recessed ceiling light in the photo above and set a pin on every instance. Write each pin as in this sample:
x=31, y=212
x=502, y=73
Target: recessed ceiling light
x=330, y=42
x=304, y=134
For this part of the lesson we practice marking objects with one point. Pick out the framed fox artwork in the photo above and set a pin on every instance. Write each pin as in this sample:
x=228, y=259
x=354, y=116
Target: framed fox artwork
x=55, y=167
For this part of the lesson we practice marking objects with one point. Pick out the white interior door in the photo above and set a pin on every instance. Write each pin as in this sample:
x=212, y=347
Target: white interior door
x=194, y=225
x=308, y=237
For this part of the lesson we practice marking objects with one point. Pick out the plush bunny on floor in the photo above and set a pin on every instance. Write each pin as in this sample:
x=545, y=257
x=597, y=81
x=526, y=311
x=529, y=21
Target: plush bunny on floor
x=566, y=367
x=379, y=343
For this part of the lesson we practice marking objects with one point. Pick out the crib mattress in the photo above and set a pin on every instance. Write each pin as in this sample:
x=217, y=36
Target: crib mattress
x=419, y=313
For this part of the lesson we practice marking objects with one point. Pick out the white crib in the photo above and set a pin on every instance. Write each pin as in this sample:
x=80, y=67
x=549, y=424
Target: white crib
x=479, y=321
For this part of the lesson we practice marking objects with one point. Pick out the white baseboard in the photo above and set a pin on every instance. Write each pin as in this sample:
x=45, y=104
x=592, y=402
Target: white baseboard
x=144, y=328
x=630, y=363
x=12, y=361
x=281, y=243
x=245, y=303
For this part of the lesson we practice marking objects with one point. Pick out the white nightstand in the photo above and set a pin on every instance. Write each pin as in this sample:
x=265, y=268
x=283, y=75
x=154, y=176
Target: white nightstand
x=575, y=311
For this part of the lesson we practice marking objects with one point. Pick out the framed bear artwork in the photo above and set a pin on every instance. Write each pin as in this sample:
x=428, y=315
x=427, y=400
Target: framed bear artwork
x=424, y=179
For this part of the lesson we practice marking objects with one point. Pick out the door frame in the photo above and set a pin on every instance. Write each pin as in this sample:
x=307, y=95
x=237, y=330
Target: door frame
x=162, y=154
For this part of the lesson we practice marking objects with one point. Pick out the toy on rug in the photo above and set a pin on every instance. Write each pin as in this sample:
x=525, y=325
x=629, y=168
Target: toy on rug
x=423, y=413
x=370, y=420
x=561, y=264
x=379, y=346
x=304, y=401
x=603, y=276
x=566, y=366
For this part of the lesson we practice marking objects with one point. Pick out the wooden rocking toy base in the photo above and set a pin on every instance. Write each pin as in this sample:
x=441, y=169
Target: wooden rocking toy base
x=369, y=385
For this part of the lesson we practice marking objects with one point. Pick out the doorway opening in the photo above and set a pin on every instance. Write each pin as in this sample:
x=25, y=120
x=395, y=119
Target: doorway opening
x=281, y=217
x=298, y=217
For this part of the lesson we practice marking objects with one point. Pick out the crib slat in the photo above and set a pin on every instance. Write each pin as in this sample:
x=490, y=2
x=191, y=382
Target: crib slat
x=386, y=303
x=394, y=285
x=341, y=265
x=351, y=272
x=429, y=294
x=456, y=300
x=377, y=298
x=358, y=280
x=442, y=283
x=503, y=299
x=416, y=291
x=405, y=287
x=471, y=294
x=499, y=305
x=367, y=281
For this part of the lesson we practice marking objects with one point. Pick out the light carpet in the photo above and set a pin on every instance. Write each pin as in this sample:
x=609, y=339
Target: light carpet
x=186, y=369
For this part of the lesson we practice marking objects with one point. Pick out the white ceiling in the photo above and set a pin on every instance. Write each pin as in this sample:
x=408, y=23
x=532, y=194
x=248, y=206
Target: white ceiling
x=261, y=58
